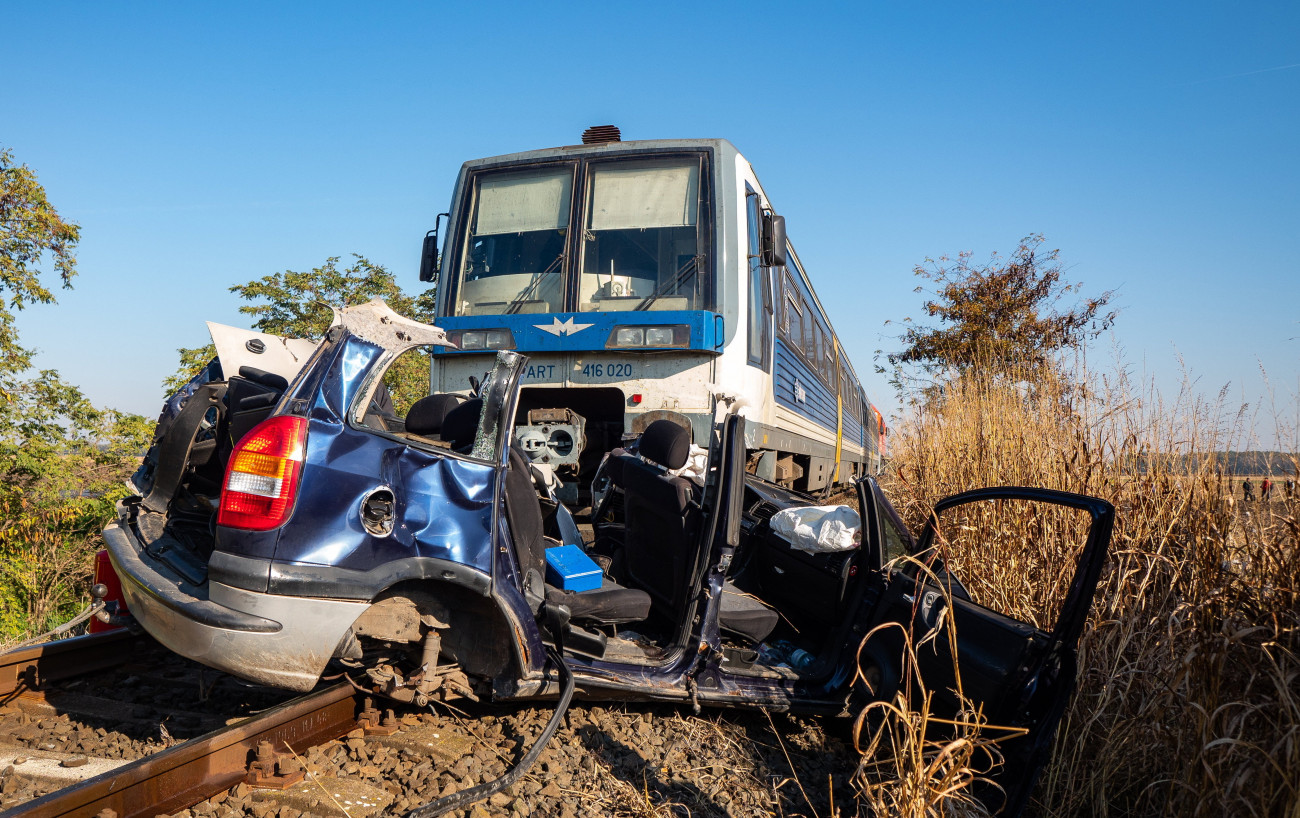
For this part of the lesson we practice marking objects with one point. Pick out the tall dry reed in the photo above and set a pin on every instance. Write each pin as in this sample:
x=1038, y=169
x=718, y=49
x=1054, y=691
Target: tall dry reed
x=1189, y=688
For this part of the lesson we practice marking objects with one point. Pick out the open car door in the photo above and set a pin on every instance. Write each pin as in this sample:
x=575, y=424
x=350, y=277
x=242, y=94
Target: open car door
x=1018, y=665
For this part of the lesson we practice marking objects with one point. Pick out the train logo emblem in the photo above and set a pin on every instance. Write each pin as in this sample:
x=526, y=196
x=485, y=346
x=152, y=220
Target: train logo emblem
x=565, y=327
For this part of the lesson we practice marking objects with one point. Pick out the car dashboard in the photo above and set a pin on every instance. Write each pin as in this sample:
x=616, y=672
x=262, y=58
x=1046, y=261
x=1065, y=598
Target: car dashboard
x=810, y=590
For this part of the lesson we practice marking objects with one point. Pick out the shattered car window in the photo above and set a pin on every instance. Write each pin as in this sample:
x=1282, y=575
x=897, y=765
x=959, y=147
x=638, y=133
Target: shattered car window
x=496, y=394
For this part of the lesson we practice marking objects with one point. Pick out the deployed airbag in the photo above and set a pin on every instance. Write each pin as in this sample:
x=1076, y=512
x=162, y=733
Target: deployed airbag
x=819, y=529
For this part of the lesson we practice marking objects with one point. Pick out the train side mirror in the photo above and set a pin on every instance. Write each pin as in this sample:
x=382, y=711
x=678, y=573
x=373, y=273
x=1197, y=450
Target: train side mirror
x=429, y=256
x=429, y=253
x=773, y=240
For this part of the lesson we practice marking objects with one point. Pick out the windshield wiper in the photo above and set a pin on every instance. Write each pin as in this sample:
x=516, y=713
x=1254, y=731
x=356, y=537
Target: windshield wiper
x=514, y=306
x=687, y=270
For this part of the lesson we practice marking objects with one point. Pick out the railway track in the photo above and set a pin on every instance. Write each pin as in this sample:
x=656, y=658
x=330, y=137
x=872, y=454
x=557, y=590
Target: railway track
x=75, y=740
x=30, y=669
x=188, y=773
x=258, y=749
x=115, y=726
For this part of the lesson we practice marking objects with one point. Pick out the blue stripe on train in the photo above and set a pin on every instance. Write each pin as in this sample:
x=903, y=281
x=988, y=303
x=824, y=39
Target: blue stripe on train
x=588, y=331
x=818, y=403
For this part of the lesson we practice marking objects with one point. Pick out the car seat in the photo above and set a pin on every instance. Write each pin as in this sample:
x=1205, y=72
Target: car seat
x=663, y=523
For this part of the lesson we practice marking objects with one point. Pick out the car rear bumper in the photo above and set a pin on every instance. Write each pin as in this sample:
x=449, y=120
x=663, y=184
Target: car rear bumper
x=284, y=641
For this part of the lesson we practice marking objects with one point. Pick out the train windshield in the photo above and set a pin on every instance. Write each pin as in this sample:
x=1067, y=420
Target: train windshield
x=640, y=240
x=639, y=246
x=514, y=255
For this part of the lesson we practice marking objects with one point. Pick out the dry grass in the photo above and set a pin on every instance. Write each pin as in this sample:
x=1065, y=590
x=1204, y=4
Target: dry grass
x=916, y=764
x=1189, y=689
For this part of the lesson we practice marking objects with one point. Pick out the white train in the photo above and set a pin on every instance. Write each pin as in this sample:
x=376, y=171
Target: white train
x=645, y=280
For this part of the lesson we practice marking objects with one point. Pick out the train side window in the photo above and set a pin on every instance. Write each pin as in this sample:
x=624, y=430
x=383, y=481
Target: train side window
x=793, y=313
x=809, y=336
x=765, y=281
x=819, y=345
x=760, y=296
x=783, y=288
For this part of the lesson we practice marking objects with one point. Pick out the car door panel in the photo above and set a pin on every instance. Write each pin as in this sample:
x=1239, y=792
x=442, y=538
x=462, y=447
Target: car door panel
x=1020, y=675
x=993, y=650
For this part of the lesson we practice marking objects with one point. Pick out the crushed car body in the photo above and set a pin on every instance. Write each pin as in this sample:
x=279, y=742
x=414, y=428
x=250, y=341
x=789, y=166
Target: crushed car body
x=288, y=516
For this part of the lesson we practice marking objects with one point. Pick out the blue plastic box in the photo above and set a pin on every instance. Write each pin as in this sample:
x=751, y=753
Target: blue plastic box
x=569, y=568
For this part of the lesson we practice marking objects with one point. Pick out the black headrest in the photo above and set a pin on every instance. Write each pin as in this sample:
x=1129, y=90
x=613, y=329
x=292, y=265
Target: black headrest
x=260, y=376
x=426, y=415
x=666, y=443
x=460, y=424
x=614, y=466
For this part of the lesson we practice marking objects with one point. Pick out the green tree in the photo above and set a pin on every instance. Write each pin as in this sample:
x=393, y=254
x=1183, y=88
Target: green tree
x=62, y=466
x=31, y=231
x=62, y=460
x=297, y=305
x=1008, y=314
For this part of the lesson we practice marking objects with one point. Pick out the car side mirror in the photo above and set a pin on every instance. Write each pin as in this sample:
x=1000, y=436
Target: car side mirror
x=773, y=240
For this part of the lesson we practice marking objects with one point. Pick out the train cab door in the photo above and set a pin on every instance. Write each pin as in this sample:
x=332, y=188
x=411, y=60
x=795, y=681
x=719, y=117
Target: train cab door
x=967, y=652
x=760, y=285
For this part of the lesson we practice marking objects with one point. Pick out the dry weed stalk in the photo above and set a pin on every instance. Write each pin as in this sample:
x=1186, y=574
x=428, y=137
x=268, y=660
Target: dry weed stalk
x=1189, y=689
x=913, y=762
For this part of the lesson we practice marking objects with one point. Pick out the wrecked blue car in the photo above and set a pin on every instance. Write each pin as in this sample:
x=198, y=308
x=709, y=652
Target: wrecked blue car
x=289, y=518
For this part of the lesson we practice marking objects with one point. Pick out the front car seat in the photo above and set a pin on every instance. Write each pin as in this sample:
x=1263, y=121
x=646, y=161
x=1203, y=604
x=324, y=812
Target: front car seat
x=663, y=522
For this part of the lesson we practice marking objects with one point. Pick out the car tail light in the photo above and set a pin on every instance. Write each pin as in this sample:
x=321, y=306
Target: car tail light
x=262, y=478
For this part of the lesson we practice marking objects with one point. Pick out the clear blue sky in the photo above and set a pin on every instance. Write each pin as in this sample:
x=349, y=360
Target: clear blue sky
x=1156, y=144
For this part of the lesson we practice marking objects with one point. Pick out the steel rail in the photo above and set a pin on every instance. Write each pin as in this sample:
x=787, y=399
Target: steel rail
x=30, y=668
x=179, y=777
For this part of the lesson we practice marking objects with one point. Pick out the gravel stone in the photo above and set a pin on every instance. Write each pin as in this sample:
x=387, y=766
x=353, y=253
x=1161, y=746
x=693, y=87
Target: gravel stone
x=606, y=759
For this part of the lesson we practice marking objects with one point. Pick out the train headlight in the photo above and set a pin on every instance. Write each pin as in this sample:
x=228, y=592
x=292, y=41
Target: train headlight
x=473, y=339
x=629, y=337
x=500, y=339
x=659, y=336
x=672, y=337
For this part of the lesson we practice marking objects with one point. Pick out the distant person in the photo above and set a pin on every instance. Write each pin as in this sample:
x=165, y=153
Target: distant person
x=1290, y=489
x=1265, y=490
x=1248, y=491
